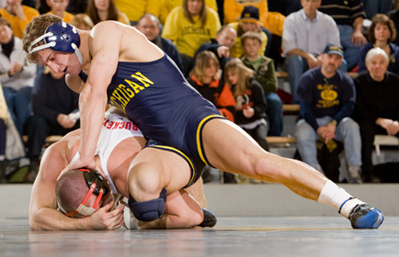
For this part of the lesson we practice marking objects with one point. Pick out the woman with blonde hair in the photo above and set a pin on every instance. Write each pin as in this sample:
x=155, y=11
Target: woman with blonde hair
x=250, y=102
x=101, y=10
x=82, y=21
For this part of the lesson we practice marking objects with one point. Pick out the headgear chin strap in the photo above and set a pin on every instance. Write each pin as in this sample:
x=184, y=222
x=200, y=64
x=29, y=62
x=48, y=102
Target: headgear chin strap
x=61, y=37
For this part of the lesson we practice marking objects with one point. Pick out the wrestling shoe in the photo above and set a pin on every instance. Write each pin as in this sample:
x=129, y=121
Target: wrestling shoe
x=209, y=219
x=363, y=216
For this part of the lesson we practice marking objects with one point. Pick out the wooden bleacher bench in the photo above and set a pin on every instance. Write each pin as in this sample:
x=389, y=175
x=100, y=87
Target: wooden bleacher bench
x=281, y=141
x=291, y=108
x=49, y=140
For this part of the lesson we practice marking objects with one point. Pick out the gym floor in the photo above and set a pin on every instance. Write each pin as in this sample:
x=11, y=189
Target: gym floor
x=233, y=236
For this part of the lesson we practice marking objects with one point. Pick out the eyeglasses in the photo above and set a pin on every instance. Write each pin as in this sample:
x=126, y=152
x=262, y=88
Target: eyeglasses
x=98, y=186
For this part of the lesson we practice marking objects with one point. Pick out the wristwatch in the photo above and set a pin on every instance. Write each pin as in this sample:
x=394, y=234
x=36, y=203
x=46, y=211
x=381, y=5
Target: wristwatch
x=334, y=122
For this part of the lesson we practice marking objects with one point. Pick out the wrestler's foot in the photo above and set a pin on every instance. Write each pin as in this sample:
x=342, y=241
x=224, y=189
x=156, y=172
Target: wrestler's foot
x=363, y=216
x=209, y=219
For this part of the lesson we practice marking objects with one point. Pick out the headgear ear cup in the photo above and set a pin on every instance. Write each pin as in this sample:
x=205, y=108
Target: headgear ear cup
x=61, y=37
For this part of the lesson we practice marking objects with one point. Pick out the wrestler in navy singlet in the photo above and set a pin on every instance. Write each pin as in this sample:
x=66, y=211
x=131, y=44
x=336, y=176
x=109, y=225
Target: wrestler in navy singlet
x=169, y=112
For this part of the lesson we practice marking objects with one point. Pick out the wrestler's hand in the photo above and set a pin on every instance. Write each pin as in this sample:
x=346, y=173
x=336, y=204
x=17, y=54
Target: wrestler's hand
x=103, y=218
x=80, y=163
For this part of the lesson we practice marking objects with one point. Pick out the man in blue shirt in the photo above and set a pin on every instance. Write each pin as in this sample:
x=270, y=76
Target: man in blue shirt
x=327, y=98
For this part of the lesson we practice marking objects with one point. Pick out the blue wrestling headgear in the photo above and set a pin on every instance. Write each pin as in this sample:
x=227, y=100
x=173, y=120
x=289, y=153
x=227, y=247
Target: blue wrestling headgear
x=61, y=37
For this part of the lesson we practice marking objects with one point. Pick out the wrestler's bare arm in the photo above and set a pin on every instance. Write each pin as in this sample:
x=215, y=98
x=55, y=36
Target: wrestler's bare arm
x=43, y=213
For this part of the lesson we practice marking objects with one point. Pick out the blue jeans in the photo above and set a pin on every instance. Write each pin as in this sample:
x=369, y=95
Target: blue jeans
x=18, y=103
x=351, y=51
x=296, y=66
x=347, y=131
x=372, y=7
x=275, y=114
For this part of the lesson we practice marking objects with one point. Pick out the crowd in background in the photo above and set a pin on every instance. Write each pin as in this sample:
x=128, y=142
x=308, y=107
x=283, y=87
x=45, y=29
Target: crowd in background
x=229, y=51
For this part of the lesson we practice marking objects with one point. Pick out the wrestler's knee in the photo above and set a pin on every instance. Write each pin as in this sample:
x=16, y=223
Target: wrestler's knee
x=144, y=182
x=148, y=210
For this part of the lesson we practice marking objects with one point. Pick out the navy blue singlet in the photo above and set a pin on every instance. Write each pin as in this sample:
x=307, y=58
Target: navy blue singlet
x=169, y=112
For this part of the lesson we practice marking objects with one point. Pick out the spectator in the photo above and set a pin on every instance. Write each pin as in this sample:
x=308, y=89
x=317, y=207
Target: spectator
x=58, y=7
x=166, y=6
x=377, y=105
x=225, y=39
x=306, y=34
x=349, y=16
x=101, y=10
x=272, y=21
x=266, y=76
x=249, y=21
x=149, y=25
x=380, y=34
x=18, y=15
x=327, y=98
x=250, y=104
x=55, y=112
x=17, y=75
x=137, y=8
x=189, y=26
x=3, y=130
x=205, y=77
x=372, y=7
x=82, y=21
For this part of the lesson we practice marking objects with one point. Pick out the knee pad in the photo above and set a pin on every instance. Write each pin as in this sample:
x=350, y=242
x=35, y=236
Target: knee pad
x=148, y=210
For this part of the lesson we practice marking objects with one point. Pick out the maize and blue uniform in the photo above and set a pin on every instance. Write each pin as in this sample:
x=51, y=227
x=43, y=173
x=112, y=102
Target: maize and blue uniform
x=167, y=109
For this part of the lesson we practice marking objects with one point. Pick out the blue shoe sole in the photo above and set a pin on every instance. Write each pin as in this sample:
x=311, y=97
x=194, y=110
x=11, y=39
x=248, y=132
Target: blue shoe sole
x=372, y=220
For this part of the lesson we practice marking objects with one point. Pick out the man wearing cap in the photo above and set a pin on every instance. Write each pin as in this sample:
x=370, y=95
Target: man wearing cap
x=306, y=33
x=327, y=99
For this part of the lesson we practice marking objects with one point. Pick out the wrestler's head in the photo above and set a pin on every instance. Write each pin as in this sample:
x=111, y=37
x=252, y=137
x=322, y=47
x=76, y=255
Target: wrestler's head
x=81, y=192
x=50, y=41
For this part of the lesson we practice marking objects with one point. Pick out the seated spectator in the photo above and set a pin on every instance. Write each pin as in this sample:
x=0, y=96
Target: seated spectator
x=18, y=15
x=205, y=77
x=306, y=34
x=82, y=21
x=17, y=75
x=272, y=21
x=55, y=112
x=249, y=21
x=137, y=8
x=105, y=10
x=372, y=7
x=349, y=16
x=58, y=7
x=166, y=6
x=377, y=105
x=225, y=39
x=189, y=26
x=3, y=130
x=327, y=99
x=380, y=34
x=266, y=76
x=149, y=25
x=250, y=104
